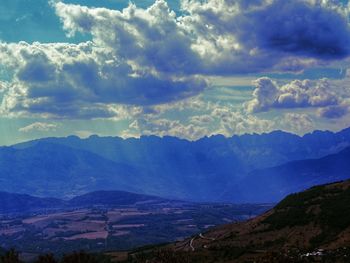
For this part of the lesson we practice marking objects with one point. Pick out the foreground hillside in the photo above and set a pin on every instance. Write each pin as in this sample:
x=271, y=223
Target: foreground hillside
x=312, y=225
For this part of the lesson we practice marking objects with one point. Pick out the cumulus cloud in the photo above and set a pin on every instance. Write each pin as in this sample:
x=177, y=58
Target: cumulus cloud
x=67, y=80
x=39, y=127
x=210, y=120
x=334, y=112
x=166, y=127
x=253, y=36
x=296, y=94
x=296, y=122
x=302, y=28
x=84, y=133
x=235, y=122
x=216, y=37
x=147, y=57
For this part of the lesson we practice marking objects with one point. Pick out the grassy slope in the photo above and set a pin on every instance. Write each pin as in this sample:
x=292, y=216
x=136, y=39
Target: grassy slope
x=316, y=218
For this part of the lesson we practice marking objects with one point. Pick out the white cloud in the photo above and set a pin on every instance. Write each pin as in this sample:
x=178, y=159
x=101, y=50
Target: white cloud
x=39, y=127
x=210, y=120
x=335, y=112
x=143, y=63
x=235, y=122
x=299, y=123
x=84, y=133
x=166, y=127
x=75, y=81
x=219, y=37
x=296, y=94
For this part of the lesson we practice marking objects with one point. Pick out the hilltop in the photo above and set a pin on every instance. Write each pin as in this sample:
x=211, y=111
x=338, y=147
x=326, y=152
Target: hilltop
x=21, y=204
x=314, y=223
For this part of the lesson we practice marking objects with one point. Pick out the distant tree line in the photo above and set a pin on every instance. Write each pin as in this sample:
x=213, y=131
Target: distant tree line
x=171, y=256
x=12, y=256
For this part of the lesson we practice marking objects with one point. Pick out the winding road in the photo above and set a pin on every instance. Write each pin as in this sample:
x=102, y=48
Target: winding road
x=200, y=236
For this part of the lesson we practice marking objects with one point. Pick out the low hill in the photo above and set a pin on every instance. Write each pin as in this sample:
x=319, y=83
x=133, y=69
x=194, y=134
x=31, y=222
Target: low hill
x=314, y=223
x=22, y=203
x=113, y=198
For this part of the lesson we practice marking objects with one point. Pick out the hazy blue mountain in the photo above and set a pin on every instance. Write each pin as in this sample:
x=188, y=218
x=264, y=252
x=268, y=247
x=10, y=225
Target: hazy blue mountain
x=275, y=183
x=248, y=152
x=210, y=169
x=52, y=170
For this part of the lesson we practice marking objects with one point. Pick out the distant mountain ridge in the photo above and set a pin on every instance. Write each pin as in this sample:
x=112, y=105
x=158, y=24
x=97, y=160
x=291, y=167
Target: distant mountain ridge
x=210, y=169
x=253, y=151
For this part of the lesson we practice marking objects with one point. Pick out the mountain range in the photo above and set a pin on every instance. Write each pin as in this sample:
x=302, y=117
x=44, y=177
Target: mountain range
x=240, y=169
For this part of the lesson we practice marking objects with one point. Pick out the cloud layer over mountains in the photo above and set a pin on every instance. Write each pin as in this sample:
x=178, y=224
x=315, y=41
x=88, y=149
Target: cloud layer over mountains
x=145, y=57
x=150, y=56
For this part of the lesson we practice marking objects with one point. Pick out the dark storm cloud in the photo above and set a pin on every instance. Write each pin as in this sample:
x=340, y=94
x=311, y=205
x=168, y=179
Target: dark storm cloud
x=300, y=28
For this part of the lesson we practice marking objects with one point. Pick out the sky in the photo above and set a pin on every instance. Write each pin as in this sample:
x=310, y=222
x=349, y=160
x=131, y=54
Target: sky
x=187, y=68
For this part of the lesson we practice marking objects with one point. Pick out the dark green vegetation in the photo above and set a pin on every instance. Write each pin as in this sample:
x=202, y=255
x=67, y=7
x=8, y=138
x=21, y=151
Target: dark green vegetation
x=12, y=256
x=232, y=255
x=311, y=226
x=333, y=203
x=326, y=206
x=169, y=256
